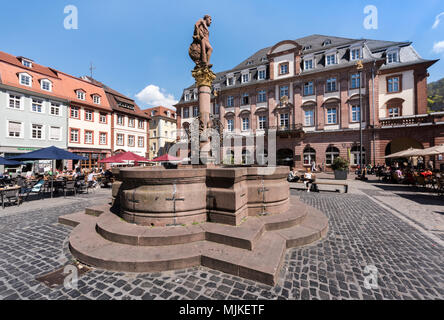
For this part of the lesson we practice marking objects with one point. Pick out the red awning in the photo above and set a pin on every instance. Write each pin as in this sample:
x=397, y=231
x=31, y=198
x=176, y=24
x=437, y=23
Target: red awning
x=122, y=157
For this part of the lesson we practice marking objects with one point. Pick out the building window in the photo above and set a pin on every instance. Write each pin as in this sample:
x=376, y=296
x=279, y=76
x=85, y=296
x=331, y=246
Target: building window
x=356, y=113
x=141, y=124
x=154, y=147
x=355, y=81
x=55, y=109
x=308, y=88
x=394, y=84
x=245, y=99
x=308, y=64
x=283, y=92
x=74, y=113
x=230, y=101
x=103, y=138
x=284, y=120
x=392, y=57
x=331, y=116
x=331, y=59
x=25, y=80
x=37, y=106
x=355, y=54
x=103, y=117
x=245, y=77
x=331, y=85
x=55, y=133
x=356, y=156
x=89, y=137
x=245, y=124
x=331, y=154
x=131, y=122
x=262, y=122
x=262, y=96
x=216, y=108
x=96, y=99
x=283, y=68
x=27, y=63
x=195, y=111
x=141, y=142
x=186, y=113
x=89, y=115
x=14, y=102
x=394, y=111
x=261, y=75
x=120, y=139
x=80, y=95
x=187, y=96
x=14, y=129
x=46, y=85
x=230, y=125
x=309, y=156
x=131, y=141
x=37, y=131
x=230, y=81
x=120, y=120
x=309, y=118
x=74, y=135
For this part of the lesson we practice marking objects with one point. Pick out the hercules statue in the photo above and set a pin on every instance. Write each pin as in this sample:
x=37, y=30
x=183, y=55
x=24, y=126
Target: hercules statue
x=200, y=50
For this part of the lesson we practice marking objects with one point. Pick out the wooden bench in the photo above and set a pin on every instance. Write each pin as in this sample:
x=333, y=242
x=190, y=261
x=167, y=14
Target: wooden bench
x=295, y=185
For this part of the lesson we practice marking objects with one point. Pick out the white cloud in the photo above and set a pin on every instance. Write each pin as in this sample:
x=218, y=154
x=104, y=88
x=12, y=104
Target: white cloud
x=438, y=47
x=437, y=20
x=154, y=96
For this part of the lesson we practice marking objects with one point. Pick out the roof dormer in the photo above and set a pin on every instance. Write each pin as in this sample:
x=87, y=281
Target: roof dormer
x=327, y=42
x=26, y=62
x=46, y=84
x=96, y=98
x=81, y=94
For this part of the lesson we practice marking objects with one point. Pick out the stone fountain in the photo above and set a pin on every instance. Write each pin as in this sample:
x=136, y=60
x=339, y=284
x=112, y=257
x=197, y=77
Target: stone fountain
x=239, y=220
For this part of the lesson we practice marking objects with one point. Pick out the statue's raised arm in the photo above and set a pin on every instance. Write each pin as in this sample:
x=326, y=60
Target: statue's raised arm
x=200, y=50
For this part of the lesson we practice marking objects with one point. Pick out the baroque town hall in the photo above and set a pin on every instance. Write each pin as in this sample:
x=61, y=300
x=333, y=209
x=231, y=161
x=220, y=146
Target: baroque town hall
x=308, y=90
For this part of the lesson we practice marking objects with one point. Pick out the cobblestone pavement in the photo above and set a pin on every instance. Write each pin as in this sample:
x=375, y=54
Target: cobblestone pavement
x=409, y=264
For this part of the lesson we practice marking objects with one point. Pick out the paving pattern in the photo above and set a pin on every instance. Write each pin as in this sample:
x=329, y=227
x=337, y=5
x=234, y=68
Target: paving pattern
x=409, y=264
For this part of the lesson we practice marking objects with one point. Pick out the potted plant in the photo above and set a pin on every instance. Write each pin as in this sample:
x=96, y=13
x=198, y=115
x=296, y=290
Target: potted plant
x=340, y=167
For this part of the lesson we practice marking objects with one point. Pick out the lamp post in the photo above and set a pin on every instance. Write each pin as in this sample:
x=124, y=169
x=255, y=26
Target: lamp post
x=360, y=66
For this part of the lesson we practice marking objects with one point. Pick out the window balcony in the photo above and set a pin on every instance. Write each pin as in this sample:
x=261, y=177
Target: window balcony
x=406, y=121
x=290, y=131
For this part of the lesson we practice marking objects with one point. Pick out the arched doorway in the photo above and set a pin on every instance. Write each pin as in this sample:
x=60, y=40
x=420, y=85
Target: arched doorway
x=401, y=144
x=285, y=157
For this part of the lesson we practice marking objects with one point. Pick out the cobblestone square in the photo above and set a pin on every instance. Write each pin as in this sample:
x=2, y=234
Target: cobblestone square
x=363, y=232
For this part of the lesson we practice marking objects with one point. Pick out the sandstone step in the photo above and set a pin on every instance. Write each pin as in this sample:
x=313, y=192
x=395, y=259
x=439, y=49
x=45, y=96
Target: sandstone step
x=294, y=216
x=74, y=219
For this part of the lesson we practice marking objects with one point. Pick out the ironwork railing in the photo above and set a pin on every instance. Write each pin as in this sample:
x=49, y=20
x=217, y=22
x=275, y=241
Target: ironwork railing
x=405, y=121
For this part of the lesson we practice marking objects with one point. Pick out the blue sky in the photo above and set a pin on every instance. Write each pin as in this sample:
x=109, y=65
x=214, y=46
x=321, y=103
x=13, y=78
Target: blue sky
x=134, y=44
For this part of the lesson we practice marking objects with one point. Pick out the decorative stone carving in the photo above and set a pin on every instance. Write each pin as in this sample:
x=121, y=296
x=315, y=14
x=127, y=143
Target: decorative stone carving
x=200, y=50
x=204, y=76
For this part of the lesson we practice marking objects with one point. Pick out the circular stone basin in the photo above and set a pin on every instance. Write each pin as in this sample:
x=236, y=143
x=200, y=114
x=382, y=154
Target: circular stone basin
x=159, y=197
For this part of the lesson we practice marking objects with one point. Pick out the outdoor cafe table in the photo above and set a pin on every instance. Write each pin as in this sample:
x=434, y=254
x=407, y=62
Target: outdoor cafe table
x=3, y=191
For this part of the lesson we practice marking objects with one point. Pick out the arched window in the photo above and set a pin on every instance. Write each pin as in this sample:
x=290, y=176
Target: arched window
x=229, y=157
x=246, y=157
x=309, y=155
x=355, y=155
x=331, y=154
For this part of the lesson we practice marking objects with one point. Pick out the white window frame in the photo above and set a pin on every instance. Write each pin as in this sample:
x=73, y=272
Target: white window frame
x=331, y=116
x=311, y=118
x=328, y=61
x=42, y=131
x=284, y=121
x=230, y=125
x=71, y=130
x=27, y=63
x=245, y=123
x=355, y=113
x=89, y=112
x=96, y=99
x=261, y=72
x=15, y=96
x=21, y=129
x=230, y=101
x=25, y=75
x=355, y=81
x=81, y=95
x=101, y=116
x=245, y=77
x=39, y=102
x=85, y=137
x=390, y=54
x=308, y=64
x=262, y=122
x=120, y=123
x=117, y=139
x=133, y=121
x=143, y=141
x=353, y=51
x=308, y=85
x=46, y=81
x=331, y=81
x=103, y=134
x=287, y=91
x=55, y=106
x=262, y=96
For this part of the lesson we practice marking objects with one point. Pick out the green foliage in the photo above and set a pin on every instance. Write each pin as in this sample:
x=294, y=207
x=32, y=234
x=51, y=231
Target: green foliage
x=435, y=100
x=340, y=164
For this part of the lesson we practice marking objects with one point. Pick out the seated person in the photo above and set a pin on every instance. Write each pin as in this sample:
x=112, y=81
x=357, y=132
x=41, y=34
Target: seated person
x=309, y=179
x=293, y=176
x=92, y=179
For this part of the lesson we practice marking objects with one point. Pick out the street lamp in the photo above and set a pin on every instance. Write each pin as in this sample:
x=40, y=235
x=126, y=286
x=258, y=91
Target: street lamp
x=360, y=66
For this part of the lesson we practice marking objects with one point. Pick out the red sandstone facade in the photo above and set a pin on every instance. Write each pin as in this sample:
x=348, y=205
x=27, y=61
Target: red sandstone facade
x=314, y=106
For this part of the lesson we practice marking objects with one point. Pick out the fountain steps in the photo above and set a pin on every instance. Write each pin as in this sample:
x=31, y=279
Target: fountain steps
x=253, y=250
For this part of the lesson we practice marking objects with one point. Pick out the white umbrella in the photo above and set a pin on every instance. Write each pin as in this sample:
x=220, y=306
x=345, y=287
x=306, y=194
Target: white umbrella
x=433, y=151
x=405, y=153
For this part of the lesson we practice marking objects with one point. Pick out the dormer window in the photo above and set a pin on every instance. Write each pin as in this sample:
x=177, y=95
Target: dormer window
x=306, y=48
x=245, y=77
x=230, y=80
x=308, y=64
x=168, y=114
x=261, y=75
x=355, y=54
x=330, y=59
x=283, y=68
x=46, y=85
x=80, y=94
x=195, y=95
x=326, y=42
x=153, y=113
x=27, y=63
x=187, y=96
x=25, y=79
x=249, y=63
x=392, y=56
x=96, y=99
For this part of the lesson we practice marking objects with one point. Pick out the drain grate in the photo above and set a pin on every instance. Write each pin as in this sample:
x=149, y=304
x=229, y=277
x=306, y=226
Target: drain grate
x=56, y=278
